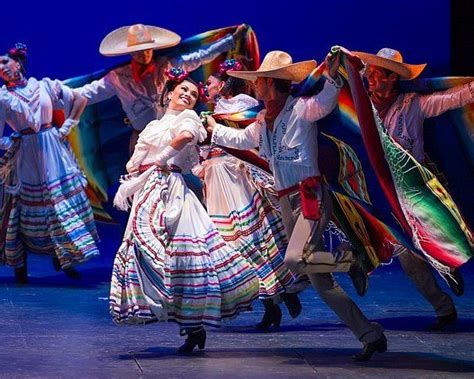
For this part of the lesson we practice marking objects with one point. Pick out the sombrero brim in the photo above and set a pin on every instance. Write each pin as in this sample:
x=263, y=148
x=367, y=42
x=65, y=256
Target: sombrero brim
x=405, y=70
x=296, y=72
x=115, y=43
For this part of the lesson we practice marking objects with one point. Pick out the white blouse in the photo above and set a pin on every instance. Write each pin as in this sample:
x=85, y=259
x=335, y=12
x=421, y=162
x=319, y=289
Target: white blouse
x=292, y=147
x=32, y=106
x=158, y=135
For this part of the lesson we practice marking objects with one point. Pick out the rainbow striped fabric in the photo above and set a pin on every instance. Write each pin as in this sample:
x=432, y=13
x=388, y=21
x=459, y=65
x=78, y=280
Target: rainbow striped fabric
x=382, y=196
x=430, y=222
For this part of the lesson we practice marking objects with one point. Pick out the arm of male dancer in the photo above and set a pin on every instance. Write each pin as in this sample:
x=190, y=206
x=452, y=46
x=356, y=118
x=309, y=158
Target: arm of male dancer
x=99, y=90
x=195, y=59
x=242, y=139
x=440, y=102
x=316, y=107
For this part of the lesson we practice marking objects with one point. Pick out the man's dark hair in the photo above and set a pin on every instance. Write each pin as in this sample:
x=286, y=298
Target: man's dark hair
x=282, y=85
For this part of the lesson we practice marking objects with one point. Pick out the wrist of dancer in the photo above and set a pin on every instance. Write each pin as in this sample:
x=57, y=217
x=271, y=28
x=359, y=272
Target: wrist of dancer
x=167, y=153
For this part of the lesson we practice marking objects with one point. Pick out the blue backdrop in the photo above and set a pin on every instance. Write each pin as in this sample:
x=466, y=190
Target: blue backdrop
x=64, y=37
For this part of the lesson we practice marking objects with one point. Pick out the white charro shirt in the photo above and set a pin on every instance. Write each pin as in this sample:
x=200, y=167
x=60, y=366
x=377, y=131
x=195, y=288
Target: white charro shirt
x=141, y=101
x=292, y=147
x=404, y=119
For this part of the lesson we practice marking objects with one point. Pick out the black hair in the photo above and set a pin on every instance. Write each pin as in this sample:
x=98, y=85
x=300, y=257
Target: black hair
x=282, y=85
x=233, y=86
x=19, y=54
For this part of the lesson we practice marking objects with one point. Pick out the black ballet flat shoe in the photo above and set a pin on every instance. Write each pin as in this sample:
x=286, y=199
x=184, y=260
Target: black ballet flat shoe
x=271, y=317
x=293, y=304
x=195, y=337
x=443, y=322
x=379, y=346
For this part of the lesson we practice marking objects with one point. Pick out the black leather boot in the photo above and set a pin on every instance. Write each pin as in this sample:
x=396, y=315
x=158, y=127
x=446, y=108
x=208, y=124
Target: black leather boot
x=272, y=316
x=293, y=303
x=21, y=274
x=70, y=272
x=195, y=337
x=370, y=348
x=56, y=264
x=443, y=322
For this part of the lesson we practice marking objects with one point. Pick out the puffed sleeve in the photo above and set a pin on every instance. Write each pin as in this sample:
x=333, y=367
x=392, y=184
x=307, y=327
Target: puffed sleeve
x=61, y=95
x=189, y=121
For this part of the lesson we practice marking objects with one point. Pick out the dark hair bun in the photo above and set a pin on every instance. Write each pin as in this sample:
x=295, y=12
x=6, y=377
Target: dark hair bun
x=19, y=52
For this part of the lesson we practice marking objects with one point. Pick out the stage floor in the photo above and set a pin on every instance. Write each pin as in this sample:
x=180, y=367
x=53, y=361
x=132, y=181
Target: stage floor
x=56, y=327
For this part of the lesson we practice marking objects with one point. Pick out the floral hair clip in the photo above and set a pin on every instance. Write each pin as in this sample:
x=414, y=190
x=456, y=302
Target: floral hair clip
x=176, y=74
x=203, y=92
x=20, y=50
x=230, y=64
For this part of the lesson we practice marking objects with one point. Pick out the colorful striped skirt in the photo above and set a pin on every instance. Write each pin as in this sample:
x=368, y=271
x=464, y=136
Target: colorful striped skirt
x=173, y=265
x=49, y=213
x=238, y=203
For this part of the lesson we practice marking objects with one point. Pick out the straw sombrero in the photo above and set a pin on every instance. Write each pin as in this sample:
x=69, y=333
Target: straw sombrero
x=392, y=60
x=139, y=37
x=279, y=65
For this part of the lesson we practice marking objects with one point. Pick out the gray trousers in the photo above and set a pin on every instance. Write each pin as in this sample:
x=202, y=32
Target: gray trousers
x=421, y=274
x=302, y=257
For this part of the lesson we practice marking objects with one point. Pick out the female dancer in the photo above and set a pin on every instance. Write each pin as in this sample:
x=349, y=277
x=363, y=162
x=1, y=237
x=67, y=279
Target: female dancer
x=43, y=204
x=173, y=264
x=241, y=203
